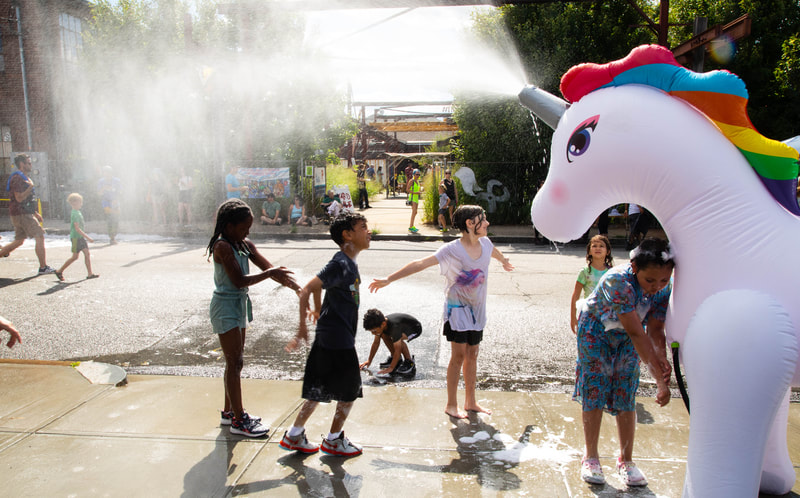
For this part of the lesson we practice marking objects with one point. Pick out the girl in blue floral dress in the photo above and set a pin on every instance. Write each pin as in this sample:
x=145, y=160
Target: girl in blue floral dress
x=621, y=321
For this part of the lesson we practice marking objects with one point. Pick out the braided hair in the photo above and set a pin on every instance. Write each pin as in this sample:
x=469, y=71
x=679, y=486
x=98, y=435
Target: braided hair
x=231, y=211
x=609, y=260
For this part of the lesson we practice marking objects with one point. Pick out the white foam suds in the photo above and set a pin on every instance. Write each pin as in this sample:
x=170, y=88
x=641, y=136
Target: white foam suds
x=551, y=449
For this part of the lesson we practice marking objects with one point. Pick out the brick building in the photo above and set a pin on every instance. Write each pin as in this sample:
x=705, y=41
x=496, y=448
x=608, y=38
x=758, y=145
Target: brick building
x=40, y=41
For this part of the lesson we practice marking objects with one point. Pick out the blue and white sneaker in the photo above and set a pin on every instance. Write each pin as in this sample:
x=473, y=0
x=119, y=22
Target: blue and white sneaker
x=225, y=418
x=248, y=427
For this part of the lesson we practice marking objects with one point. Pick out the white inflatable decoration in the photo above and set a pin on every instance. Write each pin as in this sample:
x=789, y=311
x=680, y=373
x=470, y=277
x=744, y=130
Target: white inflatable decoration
x=645, y=130
x=468, y=181
x=491, y=198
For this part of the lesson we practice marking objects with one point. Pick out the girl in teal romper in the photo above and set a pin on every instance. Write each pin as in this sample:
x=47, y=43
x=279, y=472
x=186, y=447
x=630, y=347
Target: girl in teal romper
x=231, y=309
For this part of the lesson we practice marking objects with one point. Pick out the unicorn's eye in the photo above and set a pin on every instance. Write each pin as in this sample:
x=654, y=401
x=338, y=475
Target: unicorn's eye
x=581, y=138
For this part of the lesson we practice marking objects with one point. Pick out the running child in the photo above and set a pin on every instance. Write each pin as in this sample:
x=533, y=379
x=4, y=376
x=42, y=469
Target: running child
x=465, y=264
x=393, y=330
x=331, y=371
x=623, y=320
x=598, y=260
x=231, y=309
x=78, y=238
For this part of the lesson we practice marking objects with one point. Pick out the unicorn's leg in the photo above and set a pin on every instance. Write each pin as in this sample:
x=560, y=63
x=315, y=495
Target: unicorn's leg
x=739, y=355
x=777, y=472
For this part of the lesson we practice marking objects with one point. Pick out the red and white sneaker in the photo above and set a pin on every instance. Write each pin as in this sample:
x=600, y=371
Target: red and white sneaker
x=341, y=446
x=298, y=443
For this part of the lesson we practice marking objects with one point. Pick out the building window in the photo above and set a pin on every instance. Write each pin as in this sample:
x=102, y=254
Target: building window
x=71, y=39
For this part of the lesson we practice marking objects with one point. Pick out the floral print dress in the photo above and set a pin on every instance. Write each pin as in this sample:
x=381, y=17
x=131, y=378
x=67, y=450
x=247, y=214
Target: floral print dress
x=607, y=370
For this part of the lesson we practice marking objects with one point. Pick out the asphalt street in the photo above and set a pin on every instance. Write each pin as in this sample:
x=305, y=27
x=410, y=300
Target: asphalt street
x=148, y=312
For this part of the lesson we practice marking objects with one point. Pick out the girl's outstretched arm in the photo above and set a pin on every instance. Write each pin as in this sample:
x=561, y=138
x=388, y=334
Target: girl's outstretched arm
x=496, y=254
x=409, y=269
x=224, y=255
x=281, y=274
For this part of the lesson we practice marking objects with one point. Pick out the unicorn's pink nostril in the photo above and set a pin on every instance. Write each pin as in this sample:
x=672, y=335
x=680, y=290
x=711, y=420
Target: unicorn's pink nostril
x=559, y=193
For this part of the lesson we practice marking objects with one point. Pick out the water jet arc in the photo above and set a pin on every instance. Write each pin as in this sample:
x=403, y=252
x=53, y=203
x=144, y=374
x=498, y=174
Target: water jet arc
x=545, y=105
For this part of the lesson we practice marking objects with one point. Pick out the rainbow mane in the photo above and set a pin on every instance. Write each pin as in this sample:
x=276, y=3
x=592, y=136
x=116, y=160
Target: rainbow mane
x=720, y=95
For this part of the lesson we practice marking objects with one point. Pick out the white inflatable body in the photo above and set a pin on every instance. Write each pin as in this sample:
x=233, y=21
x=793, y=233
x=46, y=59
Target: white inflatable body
x=735, y=306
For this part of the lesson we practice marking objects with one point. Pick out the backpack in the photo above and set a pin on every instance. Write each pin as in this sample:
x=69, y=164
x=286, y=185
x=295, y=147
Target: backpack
x=28, y=206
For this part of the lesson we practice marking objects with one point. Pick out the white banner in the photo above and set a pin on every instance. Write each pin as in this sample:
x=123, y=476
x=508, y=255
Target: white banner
x=343, y=191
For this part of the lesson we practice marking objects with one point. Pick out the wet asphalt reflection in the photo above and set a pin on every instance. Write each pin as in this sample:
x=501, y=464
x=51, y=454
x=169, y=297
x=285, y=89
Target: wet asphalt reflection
x=149, y=312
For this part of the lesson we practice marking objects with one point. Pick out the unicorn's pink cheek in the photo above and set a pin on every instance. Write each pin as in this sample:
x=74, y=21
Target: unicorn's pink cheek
x=559, y=192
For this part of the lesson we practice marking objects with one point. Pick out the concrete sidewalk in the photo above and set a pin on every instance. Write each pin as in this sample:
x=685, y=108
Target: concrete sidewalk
x=62, y=435
x=387, y=217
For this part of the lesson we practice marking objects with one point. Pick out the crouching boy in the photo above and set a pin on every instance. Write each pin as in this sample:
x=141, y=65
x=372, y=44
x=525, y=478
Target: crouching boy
x=394, y=330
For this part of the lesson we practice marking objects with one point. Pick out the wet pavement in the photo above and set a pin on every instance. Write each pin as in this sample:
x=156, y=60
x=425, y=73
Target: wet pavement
x=61, y=435
x=64, y=432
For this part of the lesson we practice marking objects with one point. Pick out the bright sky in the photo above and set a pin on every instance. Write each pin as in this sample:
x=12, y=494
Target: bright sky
x=405, y=54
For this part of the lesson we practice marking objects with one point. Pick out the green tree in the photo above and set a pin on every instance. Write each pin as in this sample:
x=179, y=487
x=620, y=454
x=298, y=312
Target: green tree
x=243, y=89
x=767, y=60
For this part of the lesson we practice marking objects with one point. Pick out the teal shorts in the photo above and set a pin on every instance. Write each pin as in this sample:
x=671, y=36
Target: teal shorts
x=229, y=312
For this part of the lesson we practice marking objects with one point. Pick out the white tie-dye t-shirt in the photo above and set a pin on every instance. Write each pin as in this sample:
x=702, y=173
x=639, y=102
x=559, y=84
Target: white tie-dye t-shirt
x=465, y=289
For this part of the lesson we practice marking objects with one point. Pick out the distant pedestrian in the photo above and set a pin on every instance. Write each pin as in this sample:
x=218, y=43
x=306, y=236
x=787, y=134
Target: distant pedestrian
x=452, y=192
x=444, y=202
x=233, y=190
x=363, y=195
x=78, y=238
x=465, y=264
x=22, y=208
x=231, y=309
x=598, y=262
x=185, y=189
x=16, y=337
x=414, y=189
x=332, y=370
x=109, y=188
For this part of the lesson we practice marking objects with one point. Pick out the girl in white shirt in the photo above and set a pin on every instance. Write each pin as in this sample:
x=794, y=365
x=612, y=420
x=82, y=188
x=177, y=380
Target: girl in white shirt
x=465, y=264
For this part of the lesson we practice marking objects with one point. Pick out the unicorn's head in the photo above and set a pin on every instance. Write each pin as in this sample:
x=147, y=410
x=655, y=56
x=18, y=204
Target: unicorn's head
x=637, y=124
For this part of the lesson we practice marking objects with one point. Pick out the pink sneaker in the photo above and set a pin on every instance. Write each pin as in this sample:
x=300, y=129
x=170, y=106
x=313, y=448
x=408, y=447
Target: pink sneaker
x=630, y=474
x=591, y=471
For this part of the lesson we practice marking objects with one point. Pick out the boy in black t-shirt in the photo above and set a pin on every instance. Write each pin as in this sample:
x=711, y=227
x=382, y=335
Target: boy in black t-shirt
x=332, y=371
x=394, y=330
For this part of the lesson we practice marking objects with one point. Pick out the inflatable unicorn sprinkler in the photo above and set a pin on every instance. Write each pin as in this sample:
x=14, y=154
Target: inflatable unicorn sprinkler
x=645, y=130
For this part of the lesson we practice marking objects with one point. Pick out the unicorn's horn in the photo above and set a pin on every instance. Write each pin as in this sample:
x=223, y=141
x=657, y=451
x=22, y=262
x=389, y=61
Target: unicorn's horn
x=546, y=106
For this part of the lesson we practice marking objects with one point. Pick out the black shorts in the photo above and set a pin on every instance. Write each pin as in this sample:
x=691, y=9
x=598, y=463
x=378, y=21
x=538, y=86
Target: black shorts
x=79, y=245
x=470, y=337
x=331, y=375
